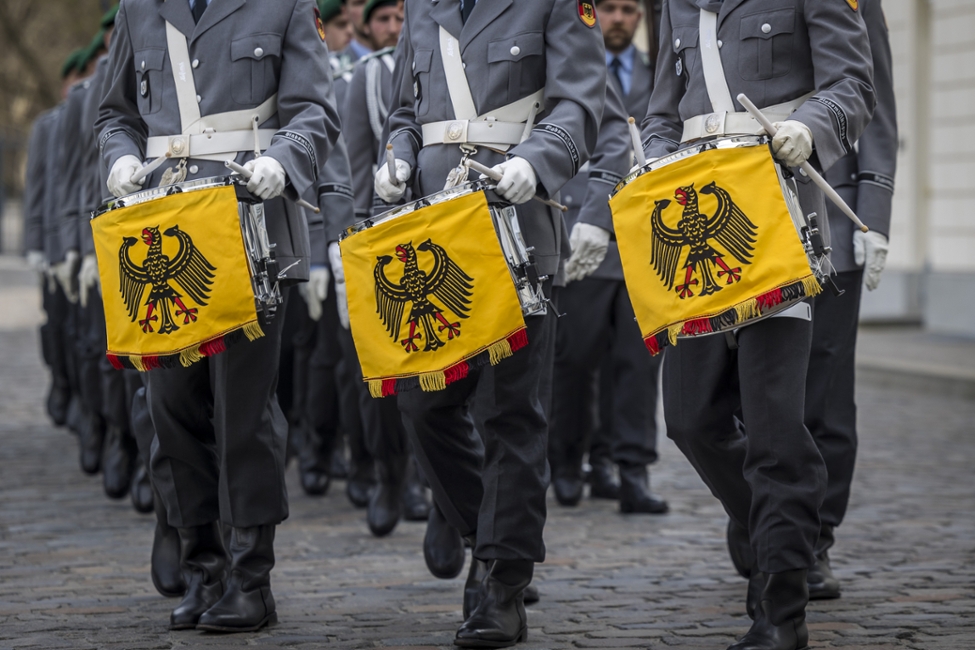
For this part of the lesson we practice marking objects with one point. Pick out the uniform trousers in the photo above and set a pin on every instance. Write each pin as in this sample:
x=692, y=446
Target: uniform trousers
x=297, y=342
x=495, y=488
x=222, y=437
x=831, y=410
x=53, y=340
x=771, y=478
x=90, y=344
x=321, y=430
x=597, y=334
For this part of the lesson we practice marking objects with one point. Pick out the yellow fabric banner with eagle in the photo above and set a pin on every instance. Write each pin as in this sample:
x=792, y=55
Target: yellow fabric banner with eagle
x=707, y=244
x=175, y=279
x=430, y=296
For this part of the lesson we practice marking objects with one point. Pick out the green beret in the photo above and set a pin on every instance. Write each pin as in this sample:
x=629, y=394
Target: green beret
x=90, y=53
x=108, y=20
x=71, y=63
x=329, y=9
x=372, y=5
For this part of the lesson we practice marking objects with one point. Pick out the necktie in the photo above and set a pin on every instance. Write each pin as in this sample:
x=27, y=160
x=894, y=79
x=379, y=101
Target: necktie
x=198, y=8
x=615, y=66
x=466, y=7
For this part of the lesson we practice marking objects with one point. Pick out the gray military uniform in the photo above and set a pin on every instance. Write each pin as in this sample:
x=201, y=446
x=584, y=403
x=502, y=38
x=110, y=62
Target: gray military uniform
x=243, y=52
x=773, y=51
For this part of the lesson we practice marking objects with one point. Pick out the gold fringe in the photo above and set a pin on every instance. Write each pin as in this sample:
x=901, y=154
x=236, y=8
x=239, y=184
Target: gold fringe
x=673, y=331
x=190, y=356
x=498, y=351
x=376, y=388
x=812, y=286
x=433, y=381
x=746, y=310
x=137, y=362
x=253, y=331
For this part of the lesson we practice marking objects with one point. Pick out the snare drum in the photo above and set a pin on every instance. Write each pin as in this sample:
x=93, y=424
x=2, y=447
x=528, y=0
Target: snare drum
x=438, y=286
x=712, y=238
x=186, y=270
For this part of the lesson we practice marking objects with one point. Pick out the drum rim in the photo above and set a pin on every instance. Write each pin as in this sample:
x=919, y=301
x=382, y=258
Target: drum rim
x=156, y=193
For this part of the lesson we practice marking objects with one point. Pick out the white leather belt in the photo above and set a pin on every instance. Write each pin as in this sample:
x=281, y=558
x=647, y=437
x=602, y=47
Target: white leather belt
x=207, y=146
x=723, y=123
x=487, y=133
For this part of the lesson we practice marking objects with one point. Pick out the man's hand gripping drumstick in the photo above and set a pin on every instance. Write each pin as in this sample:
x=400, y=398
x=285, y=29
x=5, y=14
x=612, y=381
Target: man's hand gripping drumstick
x=246, y=175
x=496, y=177
x=815, y=176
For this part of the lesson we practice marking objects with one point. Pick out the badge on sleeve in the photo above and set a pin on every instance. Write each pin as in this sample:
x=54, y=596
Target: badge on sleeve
x=587, y=13
x=854, y=4
x=319, y=24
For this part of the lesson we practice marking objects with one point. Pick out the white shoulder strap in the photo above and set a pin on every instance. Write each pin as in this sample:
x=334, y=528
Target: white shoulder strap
x=457, y=85
x=179, y=57
x=714, y=78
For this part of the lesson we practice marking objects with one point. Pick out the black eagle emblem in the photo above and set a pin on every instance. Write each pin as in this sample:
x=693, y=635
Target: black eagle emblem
x=189, y=270
x=446, y=282
x=729, y=229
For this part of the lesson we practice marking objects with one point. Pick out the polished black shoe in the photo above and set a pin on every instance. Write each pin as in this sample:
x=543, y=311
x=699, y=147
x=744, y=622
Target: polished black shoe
x=167, y=577
x=247, y=604
x=499, y=621
x=416, y=505
x=384, y=509
x=140, y=489
x=473, y=591
x=823, y=585
x=314, y=482
x=74, y=419
x=602, y=483
x=635, y=494
x=57, y=403
x=338, y=467
x=443, y=547
x=118, y=462
x=568, y=489
x=359, y=486
x=91, y=438
x=530, y=595
x=203, y=562
x=780, y=622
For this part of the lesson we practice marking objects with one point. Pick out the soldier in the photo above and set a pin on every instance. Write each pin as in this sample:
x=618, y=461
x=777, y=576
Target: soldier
x=338, y=26
x=360, y=45
x=771, y=482
x=509, y=51
x=220, y=433
x=599, y=320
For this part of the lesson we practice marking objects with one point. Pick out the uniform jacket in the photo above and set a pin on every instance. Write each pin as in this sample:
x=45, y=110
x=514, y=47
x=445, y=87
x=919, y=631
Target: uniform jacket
x=70, y=165
x=335, y=201
x=511, y=49
x=36, y=184
x=54, y=248
x=773, y=51
x=865, y=177
x=247, y=51
x=94, y=175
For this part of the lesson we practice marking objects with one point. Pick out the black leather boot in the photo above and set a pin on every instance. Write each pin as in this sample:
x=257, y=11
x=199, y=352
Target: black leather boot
x=385, y=504
x=780, y=623
x=91, y=438
x=338, y=467
x=530, y=595
x=602, y=482
x=247, y=604
x=360, y=485
x=568, y=485
x=823, y=585
x=753, y=597
x=473, y=588
x=416, y=505
x=443, y=547
x=167, y=577
x=635, y=494
x=57, y=401
x=314, y=455
x=499, y=621
x=203, y=561
x=118, y=462
x=140, y=489
x=740, y=549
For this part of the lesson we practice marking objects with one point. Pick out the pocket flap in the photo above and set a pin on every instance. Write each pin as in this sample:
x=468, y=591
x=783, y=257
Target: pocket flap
x=684, y=37
x=422, y=60
x=517, y=47
x=149, y=60
x=255, y=46
x=769, y=24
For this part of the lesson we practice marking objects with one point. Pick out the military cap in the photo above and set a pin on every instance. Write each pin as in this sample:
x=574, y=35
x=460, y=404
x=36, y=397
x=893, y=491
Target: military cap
x=372, y=5
x=90, y=53
x=108, y=20
x=72, y=62
x=329, y=9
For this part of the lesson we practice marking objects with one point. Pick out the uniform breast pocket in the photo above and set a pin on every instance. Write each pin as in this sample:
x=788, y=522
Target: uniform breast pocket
x=685, y=40
x=516, y=65
x=766, y=45
x=422, y=61
x=256, y=62
x=149, y=79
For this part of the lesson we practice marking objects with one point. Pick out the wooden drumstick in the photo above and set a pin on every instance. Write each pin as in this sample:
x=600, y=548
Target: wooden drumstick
x=391, y=163
x=641, y=158
x=496, y=177
x=141, y=175
x=246, y=174
x=815, y=176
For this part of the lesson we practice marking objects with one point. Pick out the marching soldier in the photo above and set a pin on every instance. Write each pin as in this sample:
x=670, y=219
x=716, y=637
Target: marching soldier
x=494, y=492
x=598, y=318
x=771, y=483
x=220, y=433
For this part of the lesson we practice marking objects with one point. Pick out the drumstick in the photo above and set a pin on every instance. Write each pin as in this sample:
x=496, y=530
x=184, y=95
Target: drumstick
x=641, y=158
x=246, y=174
x=391, y=163
x=141, y=175
x=496, y=177
x=815, y=176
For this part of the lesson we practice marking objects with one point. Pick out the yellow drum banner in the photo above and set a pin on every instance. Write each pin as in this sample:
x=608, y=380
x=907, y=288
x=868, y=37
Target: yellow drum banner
x=175, y=279
x=430, y=297
x=707, y=244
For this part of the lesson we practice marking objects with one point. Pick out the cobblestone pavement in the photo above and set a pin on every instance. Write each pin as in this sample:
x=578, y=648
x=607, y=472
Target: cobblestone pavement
x=74, y=565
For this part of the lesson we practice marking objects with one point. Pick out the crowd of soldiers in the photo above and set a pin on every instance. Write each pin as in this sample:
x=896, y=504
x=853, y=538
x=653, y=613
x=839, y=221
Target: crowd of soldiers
x=766, y=416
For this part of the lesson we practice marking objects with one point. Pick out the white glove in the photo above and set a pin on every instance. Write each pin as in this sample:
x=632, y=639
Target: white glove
x=870, y=252
x=793, y=142
x=518, y=180
x=120, y=178
x=65, y=272
x=36, y=261
x=267, y=177
x=392, y=190
x=315, y=291
x=88, y=278
x=589, y=245
x=338, y=272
